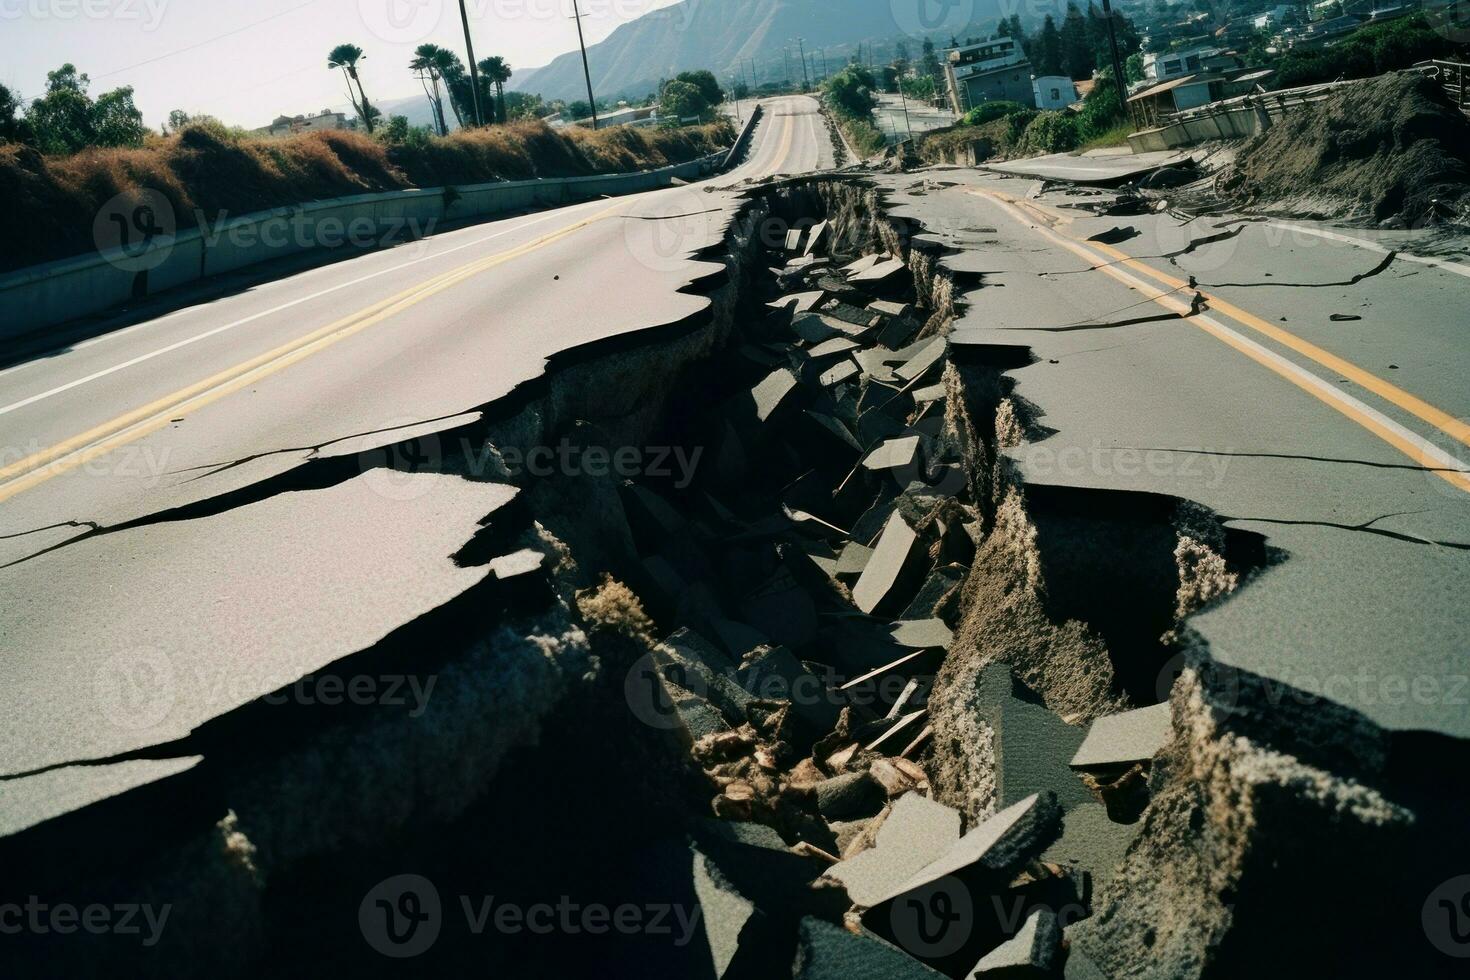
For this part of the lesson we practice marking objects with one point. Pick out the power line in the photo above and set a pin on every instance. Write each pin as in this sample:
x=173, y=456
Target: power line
x=208, y=40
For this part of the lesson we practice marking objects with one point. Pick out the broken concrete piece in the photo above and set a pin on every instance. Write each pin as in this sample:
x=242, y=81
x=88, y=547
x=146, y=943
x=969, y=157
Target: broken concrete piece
x=895, y=781
x=838, y=372
x=874, y=363
x=1131, y=736
x=814, y=328
x=738, y=639
x=903, y=723
x=863, y=264
x=853, y=559
x=798, y=302
x=931, y=393
x=925, y=359
x=829, y=952
x=727, y=915
x=1030, y=746
x=834, y=346
x=893, y=454
x=523, y=562
x=891, y=570
x=852, y=794
x=1034, y=952
x=776, y=675
x=1091, y=842
x=890, y=309
x=794, y=239
x=922, y=633
x=998, y=846
x=878, y=272
x=836, y=429
x=817, y=237
x=769, y=394
x=916, y=833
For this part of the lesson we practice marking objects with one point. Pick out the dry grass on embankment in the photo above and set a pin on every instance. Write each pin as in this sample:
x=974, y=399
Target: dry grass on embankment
x=51, y=202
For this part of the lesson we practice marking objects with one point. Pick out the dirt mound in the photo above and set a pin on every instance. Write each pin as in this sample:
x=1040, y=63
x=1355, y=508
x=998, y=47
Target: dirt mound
x=1392, y=149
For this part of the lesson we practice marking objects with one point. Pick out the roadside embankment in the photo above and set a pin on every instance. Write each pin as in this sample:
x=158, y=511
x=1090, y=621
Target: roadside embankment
x=206, y=173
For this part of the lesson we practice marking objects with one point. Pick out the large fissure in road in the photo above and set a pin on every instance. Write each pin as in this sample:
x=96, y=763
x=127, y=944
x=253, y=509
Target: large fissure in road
x=755, y=683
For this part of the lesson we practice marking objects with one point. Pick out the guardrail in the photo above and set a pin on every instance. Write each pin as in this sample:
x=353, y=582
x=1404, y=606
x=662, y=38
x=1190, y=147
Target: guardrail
x=743, y=140
x=52, y=293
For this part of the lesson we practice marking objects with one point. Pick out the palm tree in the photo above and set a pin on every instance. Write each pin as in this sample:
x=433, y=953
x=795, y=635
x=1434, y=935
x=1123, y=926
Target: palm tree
x=497, y=71
x=346, y=57
x=425, y=68
x=451, y=69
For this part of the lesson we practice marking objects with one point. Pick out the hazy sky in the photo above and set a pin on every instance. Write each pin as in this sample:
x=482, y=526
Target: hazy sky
x=247, y=61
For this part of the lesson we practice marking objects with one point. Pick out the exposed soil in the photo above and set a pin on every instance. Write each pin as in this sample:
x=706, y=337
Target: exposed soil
x=1392, y=149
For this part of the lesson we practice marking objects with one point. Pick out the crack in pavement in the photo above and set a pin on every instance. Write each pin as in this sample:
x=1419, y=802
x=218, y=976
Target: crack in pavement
x=1364, y=528
x=1194, y=245
x=1415, y=467
x=1381, y=267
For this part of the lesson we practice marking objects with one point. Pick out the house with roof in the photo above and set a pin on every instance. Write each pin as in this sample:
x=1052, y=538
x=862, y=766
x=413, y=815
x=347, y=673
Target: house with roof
x=986, y=71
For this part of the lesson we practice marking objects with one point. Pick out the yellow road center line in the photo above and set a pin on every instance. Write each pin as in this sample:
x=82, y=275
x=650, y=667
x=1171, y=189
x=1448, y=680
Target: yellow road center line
x=1445, y=422
x=1418, y=449
x=130, y=426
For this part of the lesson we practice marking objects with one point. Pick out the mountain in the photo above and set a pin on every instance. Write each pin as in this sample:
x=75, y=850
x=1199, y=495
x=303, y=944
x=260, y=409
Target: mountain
x=718, y=34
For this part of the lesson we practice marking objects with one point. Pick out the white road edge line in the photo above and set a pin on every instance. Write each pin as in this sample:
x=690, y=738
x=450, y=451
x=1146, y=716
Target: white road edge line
x=559, y=212
x=1455, y=267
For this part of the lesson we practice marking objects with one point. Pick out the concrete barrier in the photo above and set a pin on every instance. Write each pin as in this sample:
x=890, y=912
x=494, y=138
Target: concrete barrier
x=743, y=140
x=52, y=293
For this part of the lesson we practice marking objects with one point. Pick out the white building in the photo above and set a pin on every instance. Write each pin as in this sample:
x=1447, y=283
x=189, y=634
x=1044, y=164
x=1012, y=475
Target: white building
x=326, y=119
x=1161, y=66
x=1053, y=91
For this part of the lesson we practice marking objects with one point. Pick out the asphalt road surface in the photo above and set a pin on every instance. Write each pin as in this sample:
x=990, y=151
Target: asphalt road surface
x=118, y=637
x=1314, y=395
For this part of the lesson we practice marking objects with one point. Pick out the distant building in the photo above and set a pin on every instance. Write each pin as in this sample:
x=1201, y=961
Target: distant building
x=986, y=71
x=1162, y=66
x=1150, y=106
x=639, y=117
x=1325, y=32
x=289, y=125
x=1053, y=91
x=1276, y=17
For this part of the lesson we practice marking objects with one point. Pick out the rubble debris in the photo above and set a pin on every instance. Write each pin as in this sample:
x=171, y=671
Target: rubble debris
x=920, y=363
x=799, y=302
x=1392, y=149
x=999, y=845
x=878, y=271
x=922, y=633
x=828, y=952
x=853, y=559
x=829, y=348
x=768, y=395
x=1131, y=736
x=1091, y=842
x=916, y=833
x=862, y=265
x=888, y=578
x=839, y=372
x=1031, y=954
x=849, y=795
x=904, y=722
x=893, y=454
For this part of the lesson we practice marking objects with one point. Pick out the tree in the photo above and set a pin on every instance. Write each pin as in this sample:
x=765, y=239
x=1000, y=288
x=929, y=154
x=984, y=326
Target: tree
x=177, y=120
x=456, y=82
x=66, y=120
x=13, y=129
x=929, y=62
x=681, y=99
x=1017, y=31
x=705, y=81
x=577, y=109
x=496, y=71
x=1047, y=54
x=1077, y=57
x=425, y=66
x=850, y=92
x=346, y=57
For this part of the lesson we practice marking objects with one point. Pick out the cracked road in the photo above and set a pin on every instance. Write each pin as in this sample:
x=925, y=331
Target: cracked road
x=163, y=563
x=1314, y=395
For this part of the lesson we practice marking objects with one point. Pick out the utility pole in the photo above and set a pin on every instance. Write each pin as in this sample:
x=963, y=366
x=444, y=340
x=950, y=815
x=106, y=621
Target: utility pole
x=786, y=57
x=806, y=79
x=469, y=47
x=1117, y=63
x=904, y=99
x=586, y=71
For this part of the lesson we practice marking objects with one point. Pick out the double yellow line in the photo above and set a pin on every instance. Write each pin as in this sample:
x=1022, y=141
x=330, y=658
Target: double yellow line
x=1421, y=452
x=130, y=426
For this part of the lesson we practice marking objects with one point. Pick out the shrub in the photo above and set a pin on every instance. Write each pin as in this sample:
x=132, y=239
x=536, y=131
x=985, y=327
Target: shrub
x=1050, y=132
x=987, y=111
